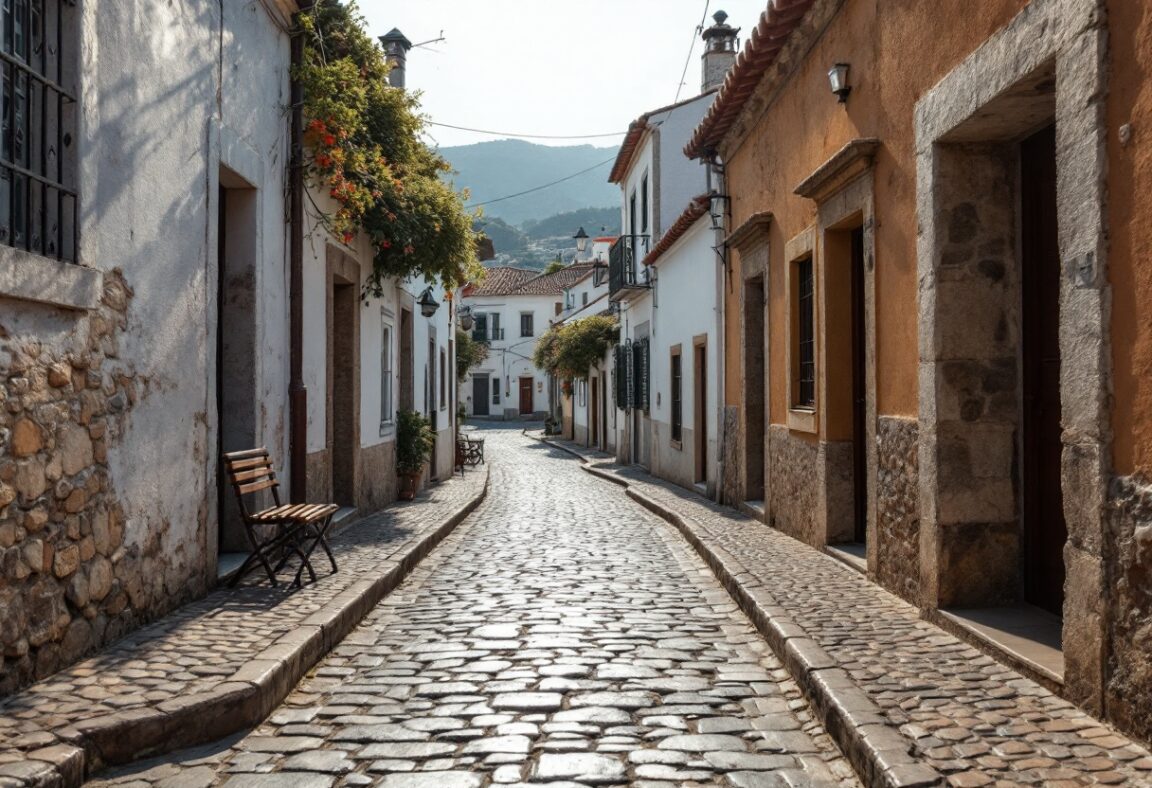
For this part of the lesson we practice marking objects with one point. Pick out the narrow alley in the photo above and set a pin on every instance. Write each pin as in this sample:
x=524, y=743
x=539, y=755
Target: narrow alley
x=561, y=635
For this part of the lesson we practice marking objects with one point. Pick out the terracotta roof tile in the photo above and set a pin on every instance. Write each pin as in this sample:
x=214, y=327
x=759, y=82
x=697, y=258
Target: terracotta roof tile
x=502, y=280
x=508, y=281
x=777, y=23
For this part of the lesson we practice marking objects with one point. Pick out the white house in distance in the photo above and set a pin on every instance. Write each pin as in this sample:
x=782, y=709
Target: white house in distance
x=511, y=310
x=666, y=276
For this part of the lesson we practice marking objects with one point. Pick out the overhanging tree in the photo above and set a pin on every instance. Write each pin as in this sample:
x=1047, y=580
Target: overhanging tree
x=364, y=148
x=570, y=350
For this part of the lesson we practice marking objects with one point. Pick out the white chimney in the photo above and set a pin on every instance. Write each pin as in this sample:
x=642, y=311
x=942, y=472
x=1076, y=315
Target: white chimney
x=719, y=52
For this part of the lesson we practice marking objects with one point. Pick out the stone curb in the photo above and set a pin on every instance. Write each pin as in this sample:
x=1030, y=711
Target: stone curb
x=242, y=700
x=878, y=752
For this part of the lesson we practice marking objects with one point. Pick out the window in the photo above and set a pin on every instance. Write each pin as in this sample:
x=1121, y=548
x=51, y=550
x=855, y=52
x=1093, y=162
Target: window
x=526, y=328
x=584, y=298
x=805, y=334
x=495, y=391
x=644, y=205
x=37, y=203
x=387, y=410
x=480, y=329
x=559, y=307
x=677, y=397
x=443, y=378
x=497, y=333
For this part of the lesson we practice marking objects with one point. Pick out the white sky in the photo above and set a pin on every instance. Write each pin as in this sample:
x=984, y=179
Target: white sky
x=550, y=67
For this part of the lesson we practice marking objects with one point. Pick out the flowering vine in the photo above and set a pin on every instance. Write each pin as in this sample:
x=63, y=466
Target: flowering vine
x=363, y=148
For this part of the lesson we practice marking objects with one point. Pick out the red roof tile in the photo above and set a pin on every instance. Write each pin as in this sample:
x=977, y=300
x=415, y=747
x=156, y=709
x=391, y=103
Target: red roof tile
x=777, y=23
x=508, y=281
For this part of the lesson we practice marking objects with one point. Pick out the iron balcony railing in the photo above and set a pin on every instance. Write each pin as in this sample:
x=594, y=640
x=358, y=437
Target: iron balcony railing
x=625, y=267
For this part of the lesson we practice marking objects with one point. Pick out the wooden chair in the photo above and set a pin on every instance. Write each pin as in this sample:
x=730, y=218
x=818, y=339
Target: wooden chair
x=279, y=531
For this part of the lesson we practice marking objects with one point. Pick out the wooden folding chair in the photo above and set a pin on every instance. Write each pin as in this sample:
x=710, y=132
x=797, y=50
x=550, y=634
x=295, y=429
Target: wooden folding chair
x=281, y=530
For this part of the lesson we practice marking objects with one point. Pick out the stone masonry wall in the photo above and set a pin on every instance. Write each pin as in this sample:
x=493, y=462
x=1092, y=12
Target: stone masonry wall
x=793, y=490
x=67, y=581
x=898, y=506
x=1129, y=674
x=731, y=470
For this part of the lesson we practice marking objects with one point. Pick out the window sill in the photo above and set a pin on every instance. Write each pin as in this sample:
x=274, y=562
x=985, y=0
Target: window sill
x=26, y=276
x=677, y=445
x=802, y=420
x=387, y=429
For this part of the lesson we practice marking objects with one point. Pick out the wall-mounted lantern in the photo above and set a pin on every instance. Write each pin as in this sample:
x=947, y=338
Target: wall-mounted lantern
x=464, y=315
x=428, y=304
x=581, y=238
x=838, y=79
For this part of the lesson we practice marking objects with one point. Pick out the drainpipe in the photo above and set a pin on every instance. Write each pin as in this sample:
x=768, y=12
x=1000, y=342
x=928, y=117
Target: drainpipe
x=297, y=392
x=714, y=169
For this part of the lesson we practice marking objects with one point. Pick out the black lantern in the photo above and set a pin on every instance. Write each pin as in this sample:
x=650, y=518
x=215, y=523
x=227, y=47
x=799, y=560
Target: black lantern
x=838, y=79
x=428, y=304
x=581, y=240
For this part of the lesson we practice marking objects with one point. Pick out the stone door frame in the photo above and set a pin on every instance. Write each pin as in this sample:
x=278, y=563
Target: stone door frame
x=1068, y=40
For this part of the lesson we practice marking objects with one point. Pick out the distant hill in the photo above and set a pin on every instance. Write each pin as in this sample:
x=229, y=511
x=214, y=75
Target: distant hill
x=495, y=169
x=595, y=221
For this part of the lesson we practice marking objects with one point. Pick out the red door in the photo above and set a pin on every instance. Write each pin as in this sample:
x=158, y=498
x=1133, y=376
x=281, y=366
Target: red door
x=526, y=397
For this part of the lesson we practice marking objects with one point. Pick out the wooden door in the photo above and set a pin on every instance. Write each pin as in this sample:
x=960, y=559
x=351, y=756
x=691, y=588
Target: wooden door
x=594, y=412
x=1044, y=530
x=480, y=395
x=700, y=410
x=859, y=394
x=526, y=397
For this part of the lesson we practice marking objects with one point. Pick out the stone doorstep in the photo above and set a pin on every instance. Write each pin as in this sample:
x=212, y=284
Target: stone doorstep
x=879, y=753
x=244, y=699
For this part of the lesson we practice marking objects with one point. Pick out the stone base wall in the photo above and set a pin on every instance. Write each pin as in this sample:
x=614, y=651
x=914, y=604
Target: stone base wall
x=68, y=581
x=377, y=487
x=898, y=506
x=731, y=466
x=1128, y=693
x=318, y=468
x=793, y=486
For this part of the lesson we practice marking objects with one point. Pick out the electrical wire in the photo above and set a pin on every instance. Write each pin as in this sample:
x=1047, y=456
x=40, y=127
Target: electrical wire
x=539, y=188
x=699, y=29
x=529, y=136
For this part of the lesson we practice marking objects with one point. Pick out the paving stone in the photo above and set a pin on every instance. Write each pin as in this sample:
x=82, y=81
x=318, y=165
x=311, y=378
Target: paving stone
x=581, y=767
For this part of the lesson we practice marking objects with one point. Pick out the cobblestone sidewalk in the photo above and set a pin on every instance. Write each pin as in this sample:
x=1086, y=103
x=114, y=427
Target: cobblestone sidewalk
x=218, y=664
x=971, y=719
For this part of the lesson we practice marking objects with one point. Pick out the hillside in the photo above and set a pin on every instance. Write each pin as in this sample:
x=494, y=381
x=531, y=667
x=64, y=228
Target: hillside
x=494, y=169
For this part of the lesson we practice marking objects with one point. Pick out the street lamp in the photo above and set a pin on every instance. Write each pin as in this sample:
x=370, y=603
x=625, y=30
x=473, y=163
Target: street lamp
x=581, y=240
x=464, y=314
x=428, y=304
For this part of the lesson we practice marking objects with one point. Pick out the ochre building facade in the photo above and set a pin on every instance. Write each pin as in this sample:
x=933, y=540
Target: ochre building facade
x=934, y=344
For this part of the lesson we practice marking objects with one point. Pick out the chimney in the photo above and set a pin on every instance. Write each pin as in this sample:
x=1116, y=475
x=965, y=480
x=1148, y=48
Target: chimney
x=719, y=52
x=396, y=46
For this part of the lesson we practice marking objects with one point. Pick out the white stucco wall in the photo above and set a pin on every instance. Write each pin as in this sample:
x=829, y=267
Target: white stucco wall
x=510, y=358
x=159, y=119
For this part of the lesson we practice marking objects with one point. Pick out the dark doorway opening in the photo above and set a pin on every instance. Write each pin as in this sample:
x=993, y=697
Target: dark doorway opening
x=604, y=413
x=407, y=379
x=525, y=396
x=594, y=412
x=342, y=391
x=754, y=384
x=480, y=395
x=859, y=392
x=236, y=394
x=1044, y=529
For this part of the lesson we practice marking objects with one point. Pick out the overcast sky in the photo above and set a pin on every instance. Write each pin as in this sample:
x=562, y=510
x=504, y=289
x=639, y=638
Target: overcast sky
x=550, y=67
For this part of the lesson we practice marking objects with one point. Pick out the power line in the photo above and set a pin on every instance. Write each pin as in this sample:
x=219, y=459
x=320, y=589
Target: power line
x=538, y=188
x=699, y=29
x=528, y=136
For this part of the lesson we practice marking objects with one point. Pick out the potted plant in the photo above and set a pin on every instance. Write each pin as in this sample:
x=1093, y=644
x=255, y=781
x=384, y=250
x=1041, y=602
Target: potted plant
x=414, y=443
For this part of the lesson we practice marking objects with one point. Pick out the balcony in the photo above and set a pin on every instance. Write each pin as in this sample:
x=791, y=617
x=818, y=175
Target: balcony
x=626, y=272
x=483, y=334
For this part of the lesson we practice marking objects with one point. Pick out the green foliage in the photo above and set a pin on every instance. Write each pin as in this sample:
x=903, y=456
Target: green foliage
x=414, y=441
x=569, y=350
x=506, y=238
x=554, y=266
x=364, y=147
x=469, y=353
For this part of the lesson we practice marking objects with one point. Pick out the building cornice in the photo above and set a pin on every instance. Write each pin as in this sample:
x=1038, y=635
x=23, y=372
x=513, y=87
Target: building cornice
x=753, y=232
x=847, y=164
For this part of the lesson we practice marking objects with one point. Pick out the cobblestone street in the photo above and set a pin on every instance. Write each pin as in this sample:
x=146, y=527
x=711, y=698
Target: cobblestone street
x=561, y=635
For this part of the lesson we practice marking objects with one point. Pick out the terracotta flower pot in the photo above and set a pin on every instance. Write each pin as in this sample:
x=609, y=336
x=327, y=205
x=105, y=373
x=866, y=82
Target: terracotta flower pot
x=408, y=483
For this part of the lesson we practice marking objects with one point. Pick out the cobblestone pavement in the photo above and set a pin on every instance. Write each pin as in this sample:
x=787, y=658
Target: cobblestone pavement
x=562, y=635
x=202, y=644
x=971, y=718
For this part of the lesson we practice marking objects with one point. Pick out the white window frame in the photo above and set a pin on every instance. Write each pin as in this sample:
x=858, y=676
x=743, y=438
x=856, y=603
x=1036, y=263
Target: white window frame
x=387, y=389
